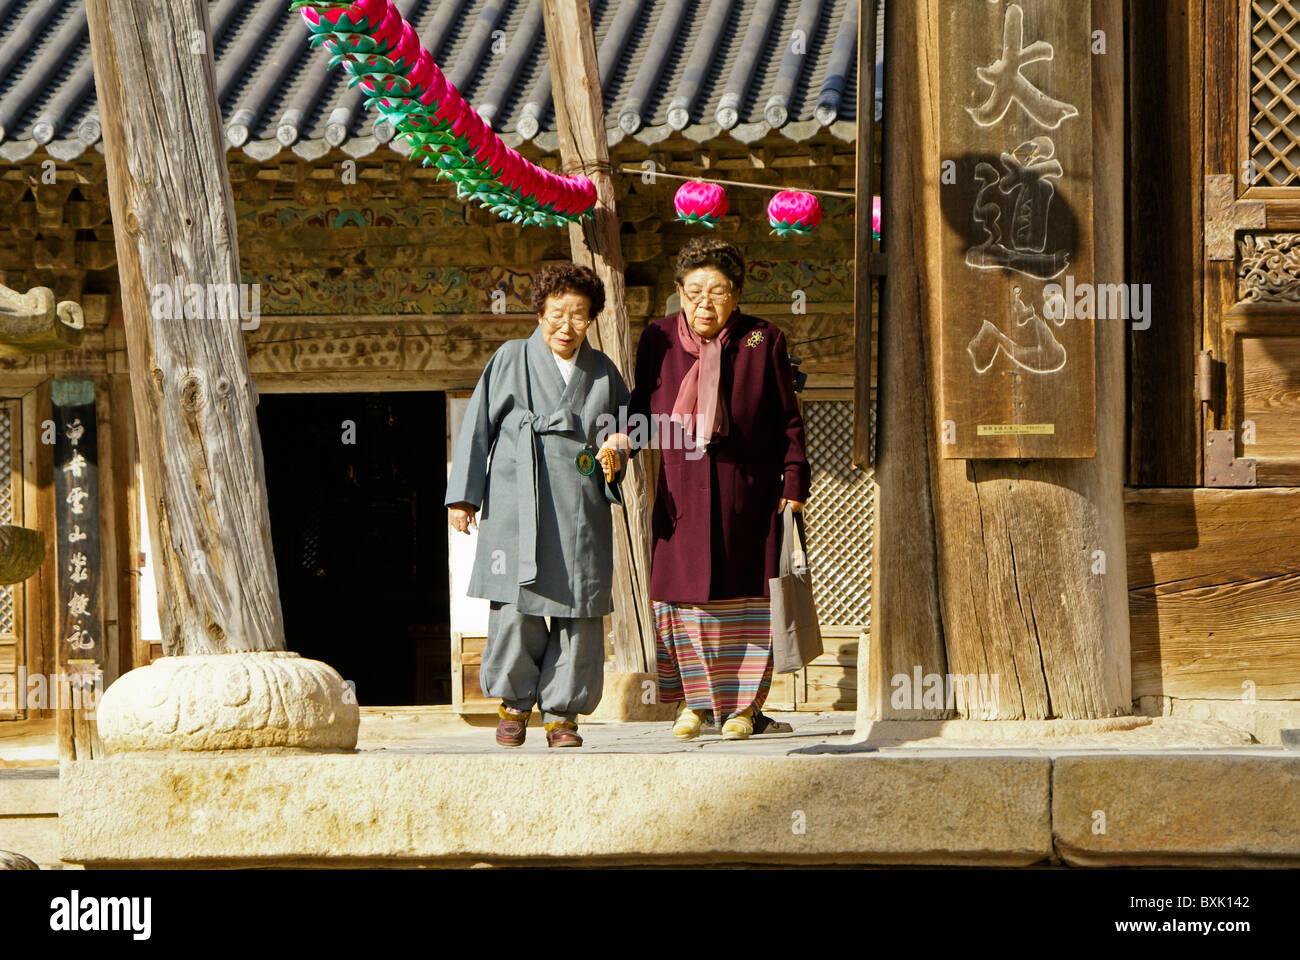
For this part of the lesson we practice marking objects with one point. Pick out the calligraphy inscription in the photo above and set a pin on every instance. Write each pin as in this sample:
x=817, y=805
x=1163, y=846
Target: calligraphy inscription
x=76, y=501
x=1016, y=130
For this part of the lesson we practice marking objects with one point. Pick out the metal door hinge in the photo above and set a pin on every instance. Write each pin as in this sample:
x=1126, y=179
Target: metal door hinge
x=1222, y=468
x=1205, y=376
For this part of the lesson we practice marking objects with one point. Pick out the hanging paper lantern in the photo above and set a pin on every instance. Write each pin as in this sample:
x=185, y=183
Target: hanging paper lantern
x=700, y=202
x=421, y=73
x=793, y=211
x=358, y=17
x=408, y=51
x=381, y=52
x=875, y=217
x=515, y=176
x=436, y=88
x=389, y=33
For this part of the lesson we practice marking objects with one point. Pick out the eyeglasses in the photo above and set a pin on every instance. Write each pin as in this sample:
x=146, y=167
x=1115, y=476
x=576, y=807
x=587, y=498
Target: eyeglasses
x=698, y=296
x=577, y=325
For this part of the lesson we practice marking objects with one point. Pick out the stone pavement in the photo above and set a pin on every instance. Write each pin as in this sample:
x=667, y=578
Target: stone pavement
x=435, y=729
x=389, y=731
x=425, y=788
x=423, y=791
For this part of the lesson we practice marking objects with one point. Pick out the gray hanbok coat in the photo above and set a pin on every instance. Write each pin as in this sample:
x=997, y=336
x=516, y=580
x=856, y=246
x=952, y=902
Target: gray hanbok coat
x=544, y=531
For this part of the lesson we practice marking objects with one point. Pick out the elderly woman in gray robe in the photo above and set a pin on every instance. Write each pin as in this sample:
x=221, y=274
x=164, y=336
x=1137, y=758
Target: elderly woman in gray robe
x=533, y=455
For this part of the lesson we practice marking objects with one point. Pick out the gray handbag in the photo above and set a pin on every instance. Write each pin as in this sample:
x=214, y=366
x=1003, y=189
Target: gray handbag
x=796, y=632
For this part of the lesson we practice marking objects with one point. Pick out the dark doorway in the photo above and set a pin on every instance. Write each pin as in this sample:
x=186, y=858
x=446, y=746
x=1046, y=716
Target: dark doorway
x=356, y=483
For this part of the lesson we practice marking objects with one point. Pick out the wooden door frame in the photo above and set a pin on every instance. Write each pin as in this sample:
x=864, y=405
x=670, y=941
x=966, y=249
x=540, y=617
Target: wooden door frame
x=1248, y=207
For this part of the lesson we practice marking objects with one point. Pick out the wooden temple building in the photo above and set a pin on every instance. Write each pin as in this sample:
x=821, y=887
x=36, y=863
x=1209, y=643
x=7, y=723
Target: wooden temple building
x=380, y=296
x=1053, y=419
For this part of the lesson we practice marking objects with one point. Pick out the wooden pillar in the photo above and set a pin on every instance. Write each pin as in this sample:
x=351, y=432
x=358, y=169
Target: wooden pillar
x=863, y=279
x=580, y=119
x=174, y=225
x=1006, y=568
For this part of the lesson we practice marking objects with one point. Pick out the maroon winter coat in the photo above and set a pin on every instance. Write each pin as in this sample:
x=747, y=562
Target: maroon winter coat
x=714, y=530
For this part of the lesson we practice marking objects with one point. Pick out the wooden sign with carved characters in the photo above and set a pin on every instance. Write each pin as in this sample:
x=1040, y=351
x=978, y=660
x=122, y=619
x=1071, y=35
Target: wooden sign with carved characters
x=76, y=510
x=1017, y=351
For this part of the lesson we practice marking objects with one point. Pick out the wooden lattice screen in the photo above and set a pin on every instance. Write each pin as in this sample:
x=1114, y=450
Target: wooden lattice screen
x=1274, y=117
x=841, y=516
x=11, y=511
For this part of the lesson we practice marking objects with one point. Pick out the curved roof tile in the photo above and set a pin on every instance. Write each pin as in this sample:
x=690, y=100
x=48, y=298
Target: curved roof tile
x=705, y=67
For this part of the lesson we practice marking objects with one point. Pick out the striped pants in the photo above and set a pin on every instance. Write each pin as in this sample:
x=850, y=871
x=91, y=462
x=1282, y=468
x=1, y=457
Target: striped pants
x=716, y=656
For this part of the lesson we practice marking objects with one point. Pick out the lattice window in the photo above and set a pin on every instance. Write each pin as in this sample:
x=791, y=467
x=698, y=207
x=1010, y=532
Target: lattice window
x=8, y=424
x=11, y=595
x=1275, y=92
x=840, y=515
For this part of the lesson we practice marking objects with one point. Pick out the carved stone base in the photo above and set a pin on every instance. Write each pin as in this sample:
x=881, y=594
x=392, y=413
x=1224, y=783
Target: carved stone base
x=230, y=701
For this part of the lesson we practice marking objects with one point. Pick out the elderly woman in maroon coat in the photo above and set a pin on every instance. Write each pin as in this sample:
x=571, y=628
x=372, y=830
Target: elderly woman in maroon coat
x=717, y=386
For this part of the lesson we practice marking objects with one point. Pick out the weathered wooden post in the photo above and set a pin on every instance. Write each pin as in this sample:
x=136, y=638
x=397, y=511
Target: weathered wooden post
x=226, y=680
x=1000, y=570
x=580, y=121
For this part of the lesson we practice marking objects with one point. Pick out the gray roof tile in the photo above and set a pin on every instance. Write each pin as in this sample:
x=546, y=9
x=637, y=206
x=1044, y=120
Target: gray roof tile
x=706, y=67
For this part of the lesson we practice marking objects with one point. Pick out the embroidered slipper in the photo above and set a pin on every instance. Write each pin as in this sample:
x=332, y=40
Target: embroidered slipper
x=513, y=727
x=562, y=733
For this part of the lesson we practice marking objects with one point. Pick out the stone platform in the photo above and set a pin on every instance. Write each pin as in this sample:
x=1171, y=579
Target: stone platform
x=1125, y=792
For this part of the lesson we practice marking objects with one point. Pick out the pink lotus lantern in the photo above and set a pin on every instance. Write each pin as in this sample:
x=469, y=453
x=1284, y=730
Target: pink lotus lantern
x=469, y=127
x=383, y=53
x=345, y=28
x=554, y=191
x=421, y=73
x=568, y=196
x=514, y=173
x=389, y=32
x=547, y=193
x=700, y=202
x=875, y=217
x=451, y=108
x=408, y=49
x=436, y=89
x=483, y=147
x=577, y=193
x=497, y=155
x=372, y=11
x=793, y=211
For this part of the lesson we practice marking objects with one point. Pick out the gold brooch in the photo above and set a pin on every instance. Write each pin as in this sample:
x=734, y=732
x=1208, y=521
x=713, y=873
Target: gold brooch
x=755, y=339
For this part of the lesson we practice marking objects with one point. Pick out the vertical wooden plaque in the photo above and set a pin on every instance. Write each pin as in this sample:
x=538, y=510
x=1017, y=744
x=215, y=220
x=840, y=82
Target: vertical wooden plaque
x=1017, y=351
x=76, y=510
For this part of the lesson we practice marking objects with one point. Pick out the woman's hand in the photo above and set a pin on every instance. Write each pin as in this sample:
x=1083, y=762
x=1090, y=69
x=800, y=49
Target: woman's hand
x=795, y=505
x=613, y=454
x=461, y=516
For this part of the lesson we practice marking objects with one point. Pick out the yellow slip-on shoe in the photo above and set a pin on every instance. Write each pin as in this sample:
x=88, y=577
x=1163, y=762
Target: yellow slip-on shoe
x=686, y=725
x=740, y=726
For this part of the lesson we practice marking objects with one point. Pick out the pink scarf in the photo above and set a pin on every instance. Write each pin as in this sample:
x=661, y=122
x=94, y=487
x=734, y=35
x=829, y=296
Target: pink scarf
x=699, y=407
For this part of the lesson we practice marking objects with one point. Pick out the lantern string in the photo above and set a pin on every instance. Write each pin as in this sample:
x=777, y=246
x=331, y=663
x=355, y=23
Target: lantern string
x=736, y=183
